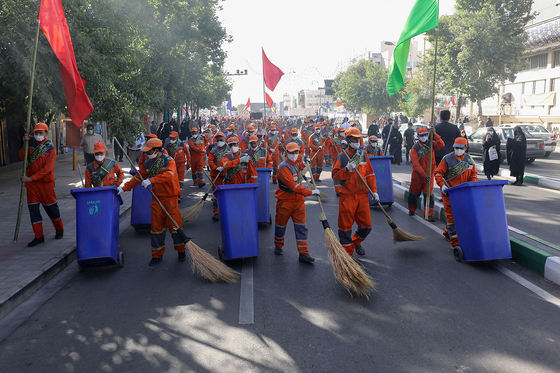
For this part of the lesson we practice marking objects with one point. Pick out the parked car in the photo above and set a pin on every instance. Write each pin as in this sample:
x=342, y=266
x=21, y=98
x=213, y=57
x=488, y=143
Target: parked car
x=415, y=127
x=538, y=130
x=535, y=145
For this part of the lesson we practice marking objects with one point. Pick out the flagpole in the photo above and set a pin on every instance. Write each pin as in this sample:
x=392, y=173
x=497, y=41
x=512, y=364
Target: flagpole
x=26, y=143
x=427, y=209
x=264, y=100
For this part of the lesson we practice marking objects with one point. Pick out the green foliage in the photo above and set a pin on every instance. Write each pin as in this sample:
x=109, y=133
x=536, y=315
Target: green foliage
x=135, y=56
x=362, y=88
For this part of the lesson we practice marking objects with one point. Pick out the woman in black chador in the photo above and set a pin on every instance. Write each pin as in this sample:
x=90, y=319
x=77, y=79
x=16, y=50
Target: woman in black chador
x=491, y=140
x=516, y=149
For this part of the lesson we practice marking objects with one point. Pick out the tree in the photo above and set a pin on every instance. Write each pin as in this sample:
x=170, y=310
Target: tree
x=362, y=88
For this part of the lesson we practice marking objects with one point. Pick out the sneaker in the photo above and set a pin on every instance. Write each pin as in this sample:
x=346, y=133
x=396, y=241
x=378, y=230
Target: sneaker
x=410, y=213
x=215, y=217
x=201, y=185
x=360, y=249
x=274, y=182
x=155, y=261
x=59, y=235
x=278, y=251
x=431, y=219
x=182, y=256
x=306, y=258
x=36, y=241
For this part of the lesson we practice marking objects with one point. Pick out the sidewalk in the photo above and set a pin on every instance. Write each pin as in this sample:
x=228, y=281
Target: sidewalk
x=24, y=270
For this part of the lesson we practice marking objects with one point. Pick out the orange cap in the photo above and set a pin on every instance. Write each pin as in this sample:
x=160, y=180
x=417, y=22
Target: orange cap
x=341, y=129
x=421, y=130
x=194, y=130
x=233, y=139
x=213, y=126
x=220, y=134
x=41, y=127
x=294, y=130
x=292, y=147
x=231, y=127
x=325, y=122
x=250, y=127
x=371, y=138
x=354, y=132
x=152, y=136
x=460, y=142
x=273, y=127
x=174, y=134
x=253, y=138
x=98, y=147
x=317, y=126
x=152, y=143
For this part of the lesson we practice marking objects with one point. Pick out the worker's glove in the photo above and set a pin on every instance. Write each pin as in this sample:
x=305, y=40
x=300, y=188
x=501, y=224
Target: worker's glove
x=219, y=169
x=244, y=158
x=146, y=183
x=351, y=166
x=120, y=190
x=306, y=159
x=444, y=188
x=315, y=192
x=204, y=151
x=271, y=150
x=375, y=197
x=320, y=147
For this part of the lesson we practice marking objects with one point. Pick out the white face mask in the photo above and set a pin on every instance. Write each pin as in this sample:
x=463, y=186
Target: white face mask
x=172, y=141
x=459, y=152
x=374, y=144
x=99, y=158
x=254, y=147
x=317, y=131
x=230, y=132
x=294, y=137
x=39, y=138
x=423, y=138
x=152, y=156
x=221, y=143
x=293, y=157
x=234, y=149
x=194, y=136
x=355, y=145
x=273, y=132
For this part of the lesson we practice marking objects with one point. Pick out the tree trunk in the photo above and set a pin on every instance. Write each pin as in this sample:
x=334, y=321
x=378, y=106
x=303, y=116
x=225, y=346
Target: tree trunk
x=479, y=115
x=458, y=110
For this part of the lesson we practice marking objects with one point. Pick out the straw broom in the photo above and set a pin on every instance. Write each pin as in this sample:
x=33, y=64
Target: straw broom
x=398, y=234
x=191, y=213
x=345, y=269
x=202, y=263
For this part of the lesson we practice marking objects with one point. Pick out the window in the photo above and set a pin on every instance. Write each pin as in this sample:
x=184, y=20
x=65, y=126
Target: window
x=534, y=87
x=479, y=134
x=557, y=59
x=537, y=62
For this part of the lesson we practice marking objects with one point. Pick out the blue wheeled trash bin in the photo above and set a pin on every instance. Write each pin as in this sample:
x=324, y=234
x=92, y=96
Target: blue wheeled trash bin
x=238, y=220
x=141, y=212
x=383, y=179
x=263, y=197
x=480, y=220
x=97, y=227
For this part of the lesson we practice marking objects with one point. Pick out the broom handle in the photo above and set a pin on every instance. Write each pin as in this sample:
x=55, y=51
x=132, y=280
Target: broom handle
x=367, y=186
x=315, y=187
x=151, y=191
x=209, y=178
x=80, y=172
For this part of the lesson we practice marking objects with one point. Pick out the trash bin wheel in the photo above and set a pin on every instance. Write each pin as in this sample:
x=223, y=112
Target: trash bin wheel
x=80, y=268
x=220, y=253
x=120, y=263
x=390, y=204
x=458, y=253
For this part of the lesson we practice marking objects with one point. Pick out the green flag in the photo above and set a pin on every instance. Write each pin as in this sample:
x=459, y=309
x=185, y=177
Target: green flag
x=423, y=17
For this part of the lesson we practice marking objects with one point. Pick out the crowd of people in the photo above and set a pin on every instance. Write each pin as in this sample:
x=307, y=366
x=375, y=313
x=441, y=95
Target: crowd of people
x=231, y=149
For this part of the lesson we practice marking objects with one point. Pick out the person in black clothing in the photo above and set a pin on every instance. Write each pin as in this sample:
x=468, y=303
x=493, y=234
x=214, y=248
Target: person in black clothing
x=491, y=167
x=408, y=141
x=448, y=133
x=184, y=130
x=117, y=149
x=373, y=129
x=163, y=131
x=489, y=123
x=153, y=128
x=385, y=132
x=516, y=153
x=173, y=125
x=395, y=145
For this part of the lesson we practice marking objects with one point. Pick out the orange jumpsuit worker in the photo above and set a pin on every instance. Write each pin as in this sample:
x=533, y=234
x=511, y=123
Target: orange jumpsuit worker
x=273, y=146
x=103, y=171
x=291, y=204
x=159, y=171
x=248, y=133
x=455, y=168
x=215, y=155
x=237, y=168
x=420, y=157
x=39, y=183
x=294, y=139
x=316, y=144
x=198, y=152
x=179, y=151
x=353, y=205
x=259, y=157
x=339, y=144
x=373, y=149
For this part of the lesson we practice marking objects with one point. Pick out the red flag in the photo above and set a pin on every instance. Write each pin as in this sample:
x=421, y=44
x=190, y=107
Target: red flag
x=269, y=100
x=53, y=23
x=248, y=104
x=453, y=101
x=272, y=74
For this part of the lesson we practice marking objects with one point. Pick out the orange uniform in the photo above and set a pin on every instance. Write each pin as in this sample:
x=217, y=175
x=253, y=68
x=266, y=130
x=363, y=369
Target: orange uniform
x=316, y=144
x=215, y=155
x=420, y=157
x=41, y=158
x=198, y=152
x=291, y=204
x=237, y=172
x=179, y=151
x=373, y=151
x=108, y=173
x=353, y=205
x=162, y=174
x=273, y=146
x=259, y=157
x=454, y=170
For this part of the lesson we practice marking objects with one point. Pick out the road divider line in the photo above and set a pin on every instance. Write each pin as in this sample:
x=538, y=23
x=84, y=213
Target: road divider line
x=246, y=303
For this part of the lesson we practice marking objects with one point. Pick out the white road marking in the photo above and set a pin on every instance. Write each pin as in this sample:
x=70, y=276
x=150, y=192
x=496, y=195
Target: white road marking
x=246, y=305
x=518, y=231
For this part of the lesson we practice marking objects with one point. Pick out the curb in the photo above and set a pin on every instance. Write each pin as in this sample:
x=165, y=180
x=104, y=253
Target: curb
x=531, y=179
x=528, y=255
x=47, y=272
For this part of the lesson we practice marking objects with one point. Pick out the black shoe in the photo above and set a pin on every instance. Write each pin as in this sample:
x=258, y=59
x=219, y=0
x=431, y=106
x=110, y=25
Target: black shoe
x=306, y=258
x=59, y=235
x=431, y=219
x=360, y=250
x=201, y=185
x=274, y=182
x=514, y=182
x=182, y=256
x=215, y=217
x=410, y=213
x=180, y=199
x=337, y=194
x=155, y=261
x=36, y=241
x=489, y=177
x=278, y=251
x=318, y=181
x=194, y=184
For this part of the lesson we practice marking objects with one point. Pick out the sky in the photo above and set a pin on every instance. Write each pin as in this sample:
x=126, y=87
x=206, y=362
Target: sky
x=310, y=40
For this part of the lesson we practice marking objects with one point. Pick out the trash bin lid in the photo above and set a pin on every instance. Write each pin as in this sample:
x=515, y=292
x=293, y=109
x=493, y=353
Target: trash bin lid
x=74, y=192
x=237, y=186
x=480, y=183
x=381, y=157
x=264, y=169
